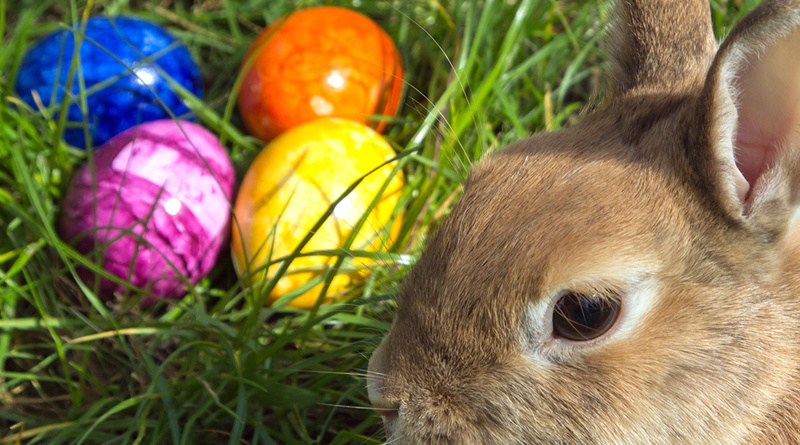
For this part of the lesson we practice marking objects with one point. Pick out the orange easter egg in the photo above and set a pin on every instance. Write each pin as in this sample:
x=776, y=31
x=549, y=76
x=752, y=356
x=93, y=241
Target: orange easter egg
x=292, y=183
x=319, y=62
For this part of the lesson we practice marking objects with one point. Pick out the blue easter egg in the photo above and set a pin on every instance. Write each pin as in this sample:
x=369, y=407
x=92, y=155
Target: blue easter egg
x=123, y=62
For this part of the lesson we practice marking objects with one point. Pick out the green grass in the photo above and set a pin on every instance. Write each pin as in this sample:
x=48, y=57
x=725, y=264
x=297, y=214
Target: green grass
x=219, y=366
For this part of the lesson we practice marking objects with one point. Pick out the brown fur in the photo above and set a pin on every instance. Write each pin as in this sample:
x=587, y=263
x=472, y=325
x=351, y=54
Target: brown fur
x=644, y=196
x=653, y=55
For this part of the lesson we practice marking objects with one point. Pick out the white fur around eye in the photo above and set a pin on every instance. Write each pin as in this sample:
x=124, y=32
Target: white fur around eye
x=537, y=322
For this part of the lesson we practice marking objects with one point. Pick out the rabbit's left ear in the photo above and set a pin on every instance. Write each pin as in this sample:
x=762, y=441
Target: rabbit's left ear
x=750, y=117
x=660, y=46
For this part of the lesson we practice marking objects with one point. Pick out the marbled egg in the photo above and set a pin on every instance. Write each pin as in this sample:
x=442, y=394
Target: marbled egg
x=155, y=208
x=125, y=64
x=291, y=185
x=317, y=62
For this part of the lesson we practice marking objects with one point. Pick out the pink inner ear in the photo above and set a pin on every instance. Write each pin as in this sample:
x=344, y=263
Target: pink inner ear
x=752, y=155
x=768, y=105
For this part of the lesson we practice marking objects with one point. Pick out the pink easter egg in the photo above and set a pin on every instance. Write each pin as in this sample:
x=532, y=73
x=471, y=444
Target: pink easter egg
x=156, y=209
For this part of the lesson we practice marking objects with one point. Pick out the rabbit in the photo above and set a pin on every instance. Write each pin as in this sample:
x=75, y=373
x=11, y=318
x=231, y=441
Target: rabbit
x=634, y=279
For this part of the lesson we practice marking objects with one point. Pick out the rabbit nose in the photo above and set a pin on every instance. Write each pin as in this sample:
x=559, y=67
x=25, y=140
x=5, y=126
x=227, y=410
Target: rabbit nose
x=389, y=411
x=385, y=407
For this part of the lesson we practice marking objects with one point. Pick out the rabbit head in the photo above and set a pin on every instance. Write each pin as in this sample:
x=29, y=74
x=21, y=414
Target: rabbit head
x=633, y=279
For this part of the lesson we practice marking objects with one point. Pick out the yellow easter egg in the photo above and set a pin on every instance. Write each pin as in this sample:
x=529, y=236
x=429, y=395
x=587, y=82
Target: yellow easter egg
x=292, y=183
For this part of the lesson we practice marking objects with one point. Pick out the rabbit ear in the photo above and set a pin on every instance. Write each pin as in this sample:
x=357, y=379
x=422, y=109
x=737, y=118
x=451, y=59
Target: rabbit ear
x=661, y=45
x=750, y=112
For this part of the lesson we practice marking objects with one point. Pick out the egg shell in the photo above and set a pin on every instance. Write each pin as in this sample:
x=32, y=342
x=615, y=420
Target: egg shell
x=317, y=62
x=292, y=183
x=126, y=58
x=155, y=209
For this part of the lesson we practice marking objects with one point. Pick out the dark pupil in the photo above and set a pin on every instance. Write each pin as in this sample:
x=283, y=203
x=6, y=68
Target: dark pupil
x=584, y=317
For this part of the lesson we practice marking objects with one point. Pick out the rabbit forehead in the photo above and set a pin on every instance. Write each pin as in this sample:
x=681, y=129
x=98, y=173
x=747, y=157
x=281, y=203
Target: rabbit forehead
x=543, y=217
x=595, y=202
x=531, y=222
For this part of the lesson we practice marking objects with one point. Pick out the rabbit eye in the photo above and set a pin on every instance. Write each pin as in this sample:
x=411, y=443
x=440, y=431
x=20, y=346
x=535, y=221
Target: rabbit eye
x=580, y=317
